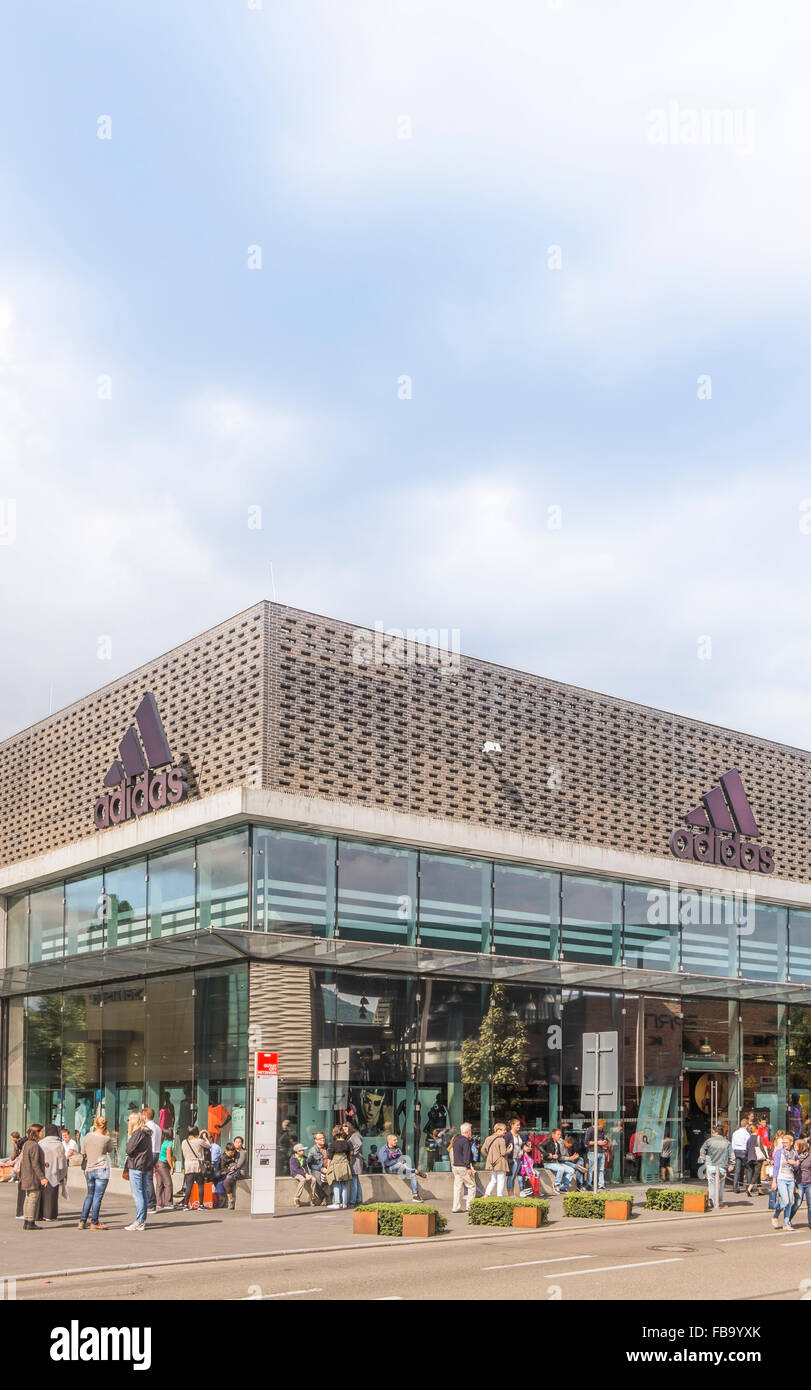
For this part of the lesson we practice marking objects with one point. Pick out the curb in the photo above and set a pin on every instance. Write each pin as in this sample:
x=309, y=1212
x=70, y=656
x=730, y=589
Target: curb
x=375, y=1244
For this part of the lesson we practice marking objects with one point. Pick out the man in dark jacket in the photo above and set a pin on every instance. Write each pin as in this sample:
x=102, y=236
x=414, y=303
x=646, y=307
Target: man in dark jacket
x=237, y=1168
x=557, y=1159
x=32, y=1177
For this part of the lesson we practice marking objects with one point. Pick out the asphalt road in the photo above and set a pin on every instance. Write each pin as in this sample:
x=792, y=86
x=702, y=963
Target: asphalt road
x=725, y=1257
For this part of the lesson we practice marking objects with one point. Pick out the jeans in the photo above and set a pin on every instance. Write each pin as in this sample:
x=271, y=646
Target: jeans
x=404, y=1169
x=785, y=1199
x=191, y=1180
x=497, y=1181
x=564, y=1172
x=715, y=1175
x=515, y=1174
x=600, y=1169
x=138, y=1189
x=340, y=1193
x=803, y=1191
x=355, y=1194
x=741, y=1171
x=96, y=1188
x=150, y=1181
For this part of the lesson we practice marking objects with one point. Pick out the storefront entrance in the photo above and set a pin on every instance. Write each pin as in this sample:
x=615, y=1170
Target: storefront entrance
x=709, y=1098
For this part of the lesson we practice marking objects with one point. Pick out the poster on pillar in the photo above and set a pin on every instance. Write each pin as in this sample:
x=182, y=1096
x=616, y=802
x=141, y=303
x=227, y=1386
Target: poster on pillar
x=265, y=1103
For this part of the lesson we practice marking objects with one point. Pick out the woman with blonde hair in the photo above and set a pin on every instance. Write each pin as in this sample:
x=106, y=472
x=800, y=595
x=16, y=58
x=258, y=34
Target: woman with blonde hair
x=138, y=1164
x=96, y=1149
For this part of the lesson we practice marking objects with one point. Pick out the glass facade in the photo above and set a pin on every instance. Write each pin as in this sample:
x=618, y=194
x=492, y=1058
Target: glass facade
x=424, y=1052
x=176, y=1041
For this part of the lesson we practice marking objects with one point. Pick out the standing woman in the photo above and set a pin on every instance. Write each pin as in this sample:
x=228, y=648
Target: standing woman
x=196, y=1155
x=32, y=1176
x=164, y=1168
x=56, y=1171
x=356, y=1160
x=96, y=1149
x=785, y=1166
x=339, y=1154
x=138, y=1165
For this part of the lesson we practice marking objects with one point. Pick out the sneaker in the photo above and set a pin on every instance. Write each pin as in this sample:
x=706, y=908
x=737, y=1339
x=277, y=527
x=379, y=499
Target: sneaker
x=775, y=1223
x=136, y=1226
x=98, y=1226
x=19, y=1218
x=80, y=1225
x=334, y=1206
x=457, y=1211
x=789, y=1228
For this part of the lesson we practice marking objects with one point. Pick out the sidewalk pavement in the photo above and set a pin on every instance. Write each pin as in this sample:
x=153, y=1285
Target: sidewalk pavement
x=174, y=1237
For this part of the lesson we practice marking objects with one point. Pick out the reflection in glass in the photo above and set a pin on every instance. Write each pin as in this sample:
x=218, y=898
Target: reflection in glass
x=651, y=938
x=763, y=942
x=525, y=912
x=454, y=903
x=222, y=881
x=171, y=892
x=84, y=914
x=800, y=944
x=17, y=927
x=592, y=920
x=125, y=903
x=709, y=933
x=46, y=923
x=294, y=882
x=377, y=892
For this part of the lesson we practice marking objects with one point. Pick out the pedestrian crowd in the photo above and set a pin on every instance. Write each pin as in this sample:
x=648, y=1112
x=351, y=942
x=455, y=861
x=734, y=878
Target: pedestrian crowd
x=41, y=1159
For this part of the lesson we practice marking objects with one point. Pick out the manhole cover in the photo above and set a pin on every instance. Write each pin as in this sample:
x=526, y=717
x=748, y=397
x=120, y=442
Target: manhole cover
x=675, y=1249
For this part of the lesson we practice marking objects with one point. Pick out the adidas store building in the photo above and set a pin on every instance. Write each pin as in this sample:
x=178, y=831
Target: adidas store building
x=419, y=878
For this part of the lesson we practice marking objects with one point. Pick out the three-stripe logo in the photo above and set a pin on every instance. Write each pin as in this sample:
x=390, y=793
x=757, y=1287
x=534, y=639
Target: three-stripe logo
x=140, y=777
x=722, y=827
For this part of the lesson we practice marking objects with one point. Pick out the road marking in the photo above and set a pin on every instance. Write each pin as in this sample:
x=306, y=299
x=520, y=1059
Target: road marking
x=765, y=1235
x=607, y=1269
x=784, y=1243
x=522, y=1264
x=288, y=1293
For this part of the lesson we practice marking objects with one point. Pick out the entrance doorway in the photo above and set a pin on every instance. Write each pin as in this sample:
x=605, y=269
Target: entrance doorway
x=707, y=1098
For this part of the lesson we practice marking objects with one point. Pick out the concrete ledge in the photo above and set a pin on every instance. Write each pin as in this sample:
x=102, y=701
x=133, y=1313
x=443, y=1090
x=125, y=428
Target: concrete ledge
x=375, y=1187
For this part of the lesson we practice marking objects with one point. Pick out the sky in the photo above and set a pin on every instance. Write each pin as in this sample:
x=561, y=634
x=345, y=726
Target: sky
x=498, y=314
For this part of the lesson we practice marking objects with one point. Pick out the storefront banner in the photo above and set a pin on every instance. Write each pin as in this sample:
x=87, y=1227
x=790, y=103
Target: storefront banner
x=653, y=1112
x=265, y=1104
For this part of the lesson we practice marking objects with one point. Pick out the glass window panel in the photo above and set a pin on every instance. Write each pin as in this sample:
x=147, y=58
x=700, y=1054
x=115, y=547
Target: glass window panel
x=798, y=1055
x=587, y=1012
x=454, y=903
x=46, y=923
x=800, y=945
x=84, y=915
x=43, y=1059
x=763, y=941
x=81, y=1059
x=592, y=920
x=221, y=1049
x=708, y=1029
x=377, y=892
x=171, y=892
x=525, y=912
x=294, y=882
x=709, y=933
x=125, y=903
x=122, y=1061
x=17, y=926
x=760, y=1033
x=170, y=1051
x=651, y=939
x=222, y=881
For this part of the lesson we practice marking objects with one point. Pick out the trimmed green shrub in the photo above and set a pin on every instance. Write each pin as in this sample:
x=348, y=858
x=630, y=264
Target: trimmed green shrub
x=592, y=1203
x=390, y=1215
x=498, y=1211
x=670, y=1198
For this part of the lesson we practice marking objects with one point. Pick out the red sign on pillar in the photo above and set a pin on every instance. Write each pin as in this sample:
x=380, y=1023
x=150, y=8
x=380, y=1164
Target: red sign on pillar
x=267, y=1064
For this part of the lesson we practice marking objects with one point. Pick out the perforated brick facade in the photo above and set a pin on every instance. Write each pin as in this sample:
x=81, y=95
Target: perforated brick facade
x=276, y=695
x=211, y=694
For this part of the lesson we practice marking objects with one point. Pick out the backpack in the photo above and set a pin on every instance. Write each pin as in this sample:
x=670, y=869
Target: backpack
x=341, y=1168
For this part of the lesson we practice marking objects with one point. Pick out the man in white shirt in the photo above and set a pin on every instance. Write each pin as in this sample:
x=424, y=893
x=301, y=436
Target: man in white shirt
x=739, y=1141
x=155, y=1131
x=69, y=1145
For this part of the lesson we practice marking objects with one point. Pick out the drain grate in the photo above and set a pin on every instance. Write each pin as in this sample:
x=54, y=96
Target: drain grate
x=675, y=1249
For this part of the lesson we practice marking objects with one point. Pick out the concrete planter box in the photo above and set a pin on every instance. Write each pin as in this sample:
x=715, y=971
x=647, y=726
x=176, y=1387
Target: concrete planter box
x=364, y=1223
x=617, y=1211
x=530, y=1218
x=424, y=1225
x=695, y=1201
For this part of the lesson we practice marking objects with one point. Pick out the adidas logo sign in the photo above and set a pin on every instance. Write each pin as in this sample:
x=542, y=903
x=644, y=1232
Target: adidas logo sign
x=139, y=786
x=717, y=828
